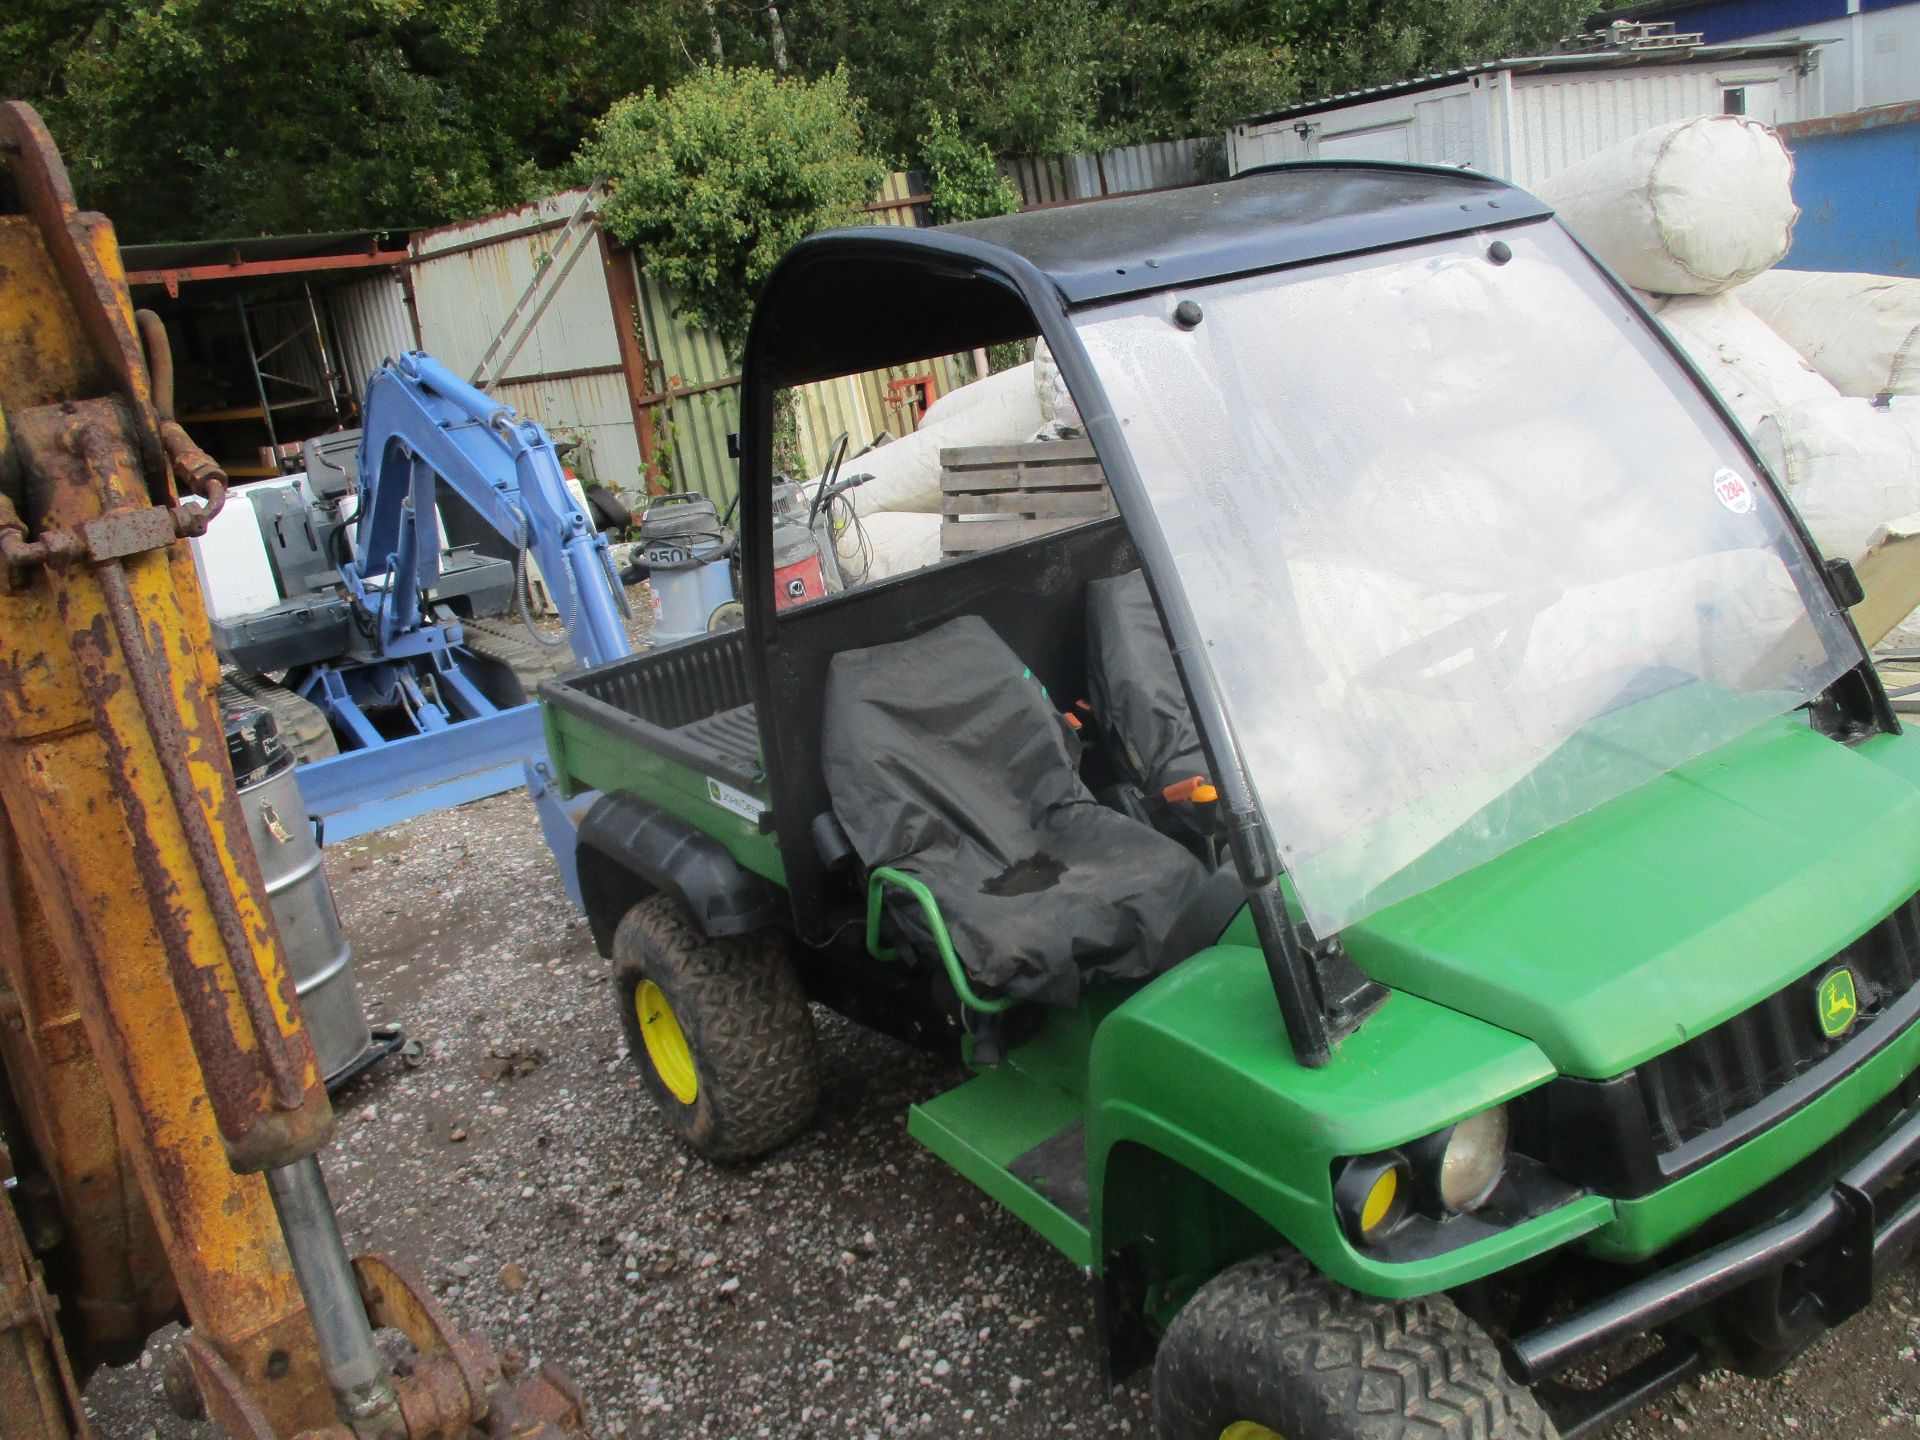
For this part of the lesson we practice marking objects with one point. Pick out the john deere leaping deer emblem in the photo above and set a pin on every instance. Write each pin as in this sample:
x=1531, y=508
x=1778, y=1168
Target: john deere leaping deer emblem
x=1836, y=1003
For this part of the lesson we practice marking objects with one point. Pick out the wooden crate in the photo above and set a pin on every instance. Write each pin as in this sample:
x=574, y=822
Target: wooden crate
x=992, y=495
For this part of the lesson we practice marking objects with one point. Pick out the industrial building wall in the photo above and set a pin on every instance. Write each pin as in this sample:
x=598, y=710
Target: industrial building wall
x=1447, y=125
x=1869, y=49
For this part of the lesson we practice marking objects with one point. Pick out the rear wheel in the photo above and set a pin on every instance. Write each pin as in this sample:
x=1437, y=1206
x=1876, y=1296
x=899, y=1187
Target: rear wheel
x=1273, y=1350
x=720, y=1030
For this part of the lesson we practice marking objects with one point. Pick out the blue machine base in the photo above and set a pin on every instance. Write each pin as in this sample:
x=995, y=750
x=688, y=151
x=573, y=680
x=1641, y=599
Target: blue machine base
x=366, y=790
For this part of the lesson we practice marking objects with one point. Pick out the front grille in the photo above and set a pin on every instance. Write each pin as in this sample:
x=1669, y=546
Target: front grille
x=1630, y=1135
x=1713, y=1079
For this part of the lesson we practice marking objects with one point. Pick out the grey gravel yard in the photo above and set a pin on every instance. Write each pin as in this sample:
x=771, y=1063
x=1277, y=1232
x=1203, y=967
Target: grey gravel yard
x=848, y=1286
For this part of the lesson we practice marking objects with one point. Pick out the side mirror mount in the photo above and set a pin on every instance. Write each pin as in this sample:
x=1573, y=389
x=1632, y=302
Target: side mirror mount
x=733, y=444
x=1844, y=583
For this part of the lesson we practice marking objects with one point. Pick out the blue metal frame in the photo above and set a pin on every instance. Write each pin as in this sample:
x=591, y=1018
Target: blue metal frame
x=366, y=790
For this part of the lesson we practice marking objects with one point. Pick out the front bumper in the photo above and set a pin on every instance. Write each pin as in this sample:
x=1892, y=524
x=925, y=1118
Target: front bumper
x=1837, y=1245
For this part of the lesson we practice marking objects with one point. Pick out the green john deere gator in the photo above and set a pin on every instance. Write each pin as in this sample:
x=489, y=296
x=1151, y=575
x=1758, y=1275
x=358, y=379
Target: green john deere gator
x=1469, y=920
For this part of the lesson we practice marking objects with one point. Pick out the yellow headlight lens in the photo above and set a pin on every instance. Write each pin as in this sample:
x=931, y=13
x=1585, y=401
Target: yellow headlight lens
x=1379, y=1202
x=1370, y=1194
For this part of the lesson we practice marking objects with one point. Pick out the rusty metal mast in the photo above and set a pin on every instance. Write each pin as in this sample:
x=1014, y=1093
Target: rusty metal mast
x=153, y=1047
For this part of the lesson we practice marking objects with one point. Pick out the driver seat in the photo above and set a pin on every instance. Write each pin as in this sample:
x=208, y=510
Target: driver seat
x=945, y=761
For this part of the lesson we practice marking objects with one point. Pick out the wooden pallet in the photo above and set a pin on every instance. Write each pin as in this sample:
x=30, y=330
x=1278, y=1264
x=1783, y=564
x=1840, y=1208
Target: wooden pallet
x=993, y=495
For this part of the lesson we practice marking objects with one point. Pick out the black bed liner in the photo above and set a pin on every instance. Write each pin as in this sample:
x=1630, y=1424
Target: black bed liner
x=687, y=702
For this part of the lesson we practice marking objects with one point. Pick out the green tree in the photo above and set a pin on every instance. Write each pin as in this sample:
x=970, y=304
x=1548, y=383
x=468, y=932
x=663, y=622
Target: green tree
x=963, y=182
x=196, y=118
x=716, y=179
x=1044, y=79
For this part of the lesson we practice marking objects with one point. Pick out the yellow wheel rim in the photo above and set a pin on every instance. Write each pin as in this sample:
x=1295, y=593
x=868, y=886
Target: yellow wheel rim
x=672, y=1057
x=1248, y=1430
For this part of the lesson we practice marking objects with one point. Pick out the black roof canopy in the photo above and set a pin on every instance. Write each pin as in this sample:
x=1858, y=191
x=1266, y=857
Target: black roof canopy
x=862, y=299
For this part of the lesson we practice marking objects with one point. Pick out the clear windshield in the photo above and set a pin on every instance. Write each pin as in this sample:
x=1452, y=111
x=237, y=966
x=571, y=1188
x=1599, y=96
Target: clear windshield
x=1469, y=553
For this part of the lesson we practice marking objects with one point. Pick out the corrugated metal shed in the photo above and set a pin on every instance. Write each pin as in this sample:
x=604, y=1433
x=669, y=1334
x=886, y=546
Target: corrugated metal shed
x=1523, y=118
x=570, y=375
x=698, y=392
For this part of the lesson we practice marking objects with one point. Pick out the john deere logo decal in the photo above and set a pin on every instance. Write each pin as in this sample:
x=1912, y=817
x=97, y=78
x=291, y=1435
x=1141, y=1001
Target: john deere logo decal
x=1837, y=1004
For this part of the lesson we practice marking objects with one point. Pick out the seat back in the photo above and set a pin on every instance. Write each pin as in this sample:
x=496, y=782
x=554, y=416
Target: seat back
x=940, y=743
x=1138, y=701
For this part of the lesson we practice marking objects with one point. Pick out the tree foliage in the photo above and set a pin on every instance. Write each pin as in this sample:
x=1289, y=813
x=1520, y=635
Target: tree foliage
x=196, y=118
x=963, y=182
x=1039, y=79
x=716, y=179
x=199, y=118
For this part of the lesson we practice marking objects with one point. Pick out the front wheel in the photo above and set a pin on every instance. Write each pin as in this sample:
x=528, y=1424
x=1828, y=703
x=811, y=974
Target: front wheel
x=720, y=1030
x=1273, y=1350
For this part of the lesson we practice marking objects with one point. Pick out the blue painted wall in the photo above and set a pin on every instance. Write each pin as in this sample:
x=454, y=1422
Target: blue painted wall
x=1859, y=198
x=1727, y=20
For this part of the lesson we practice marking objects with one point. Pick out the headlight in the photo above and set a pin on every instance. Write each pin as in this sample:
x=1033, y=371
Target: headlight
x=1371, y=1196
x=1472, y=1160
x=1445, y=1173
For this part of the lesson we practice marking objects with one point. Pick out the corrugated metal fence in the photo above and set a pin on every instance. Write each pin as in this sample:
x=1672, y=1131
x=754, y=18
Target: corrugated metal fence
x=1059, y=179
x=569, y=374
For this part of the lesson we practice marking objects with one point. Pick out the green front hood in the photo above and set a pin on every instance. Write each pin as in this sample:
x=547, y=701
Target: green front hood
x=1669, y=909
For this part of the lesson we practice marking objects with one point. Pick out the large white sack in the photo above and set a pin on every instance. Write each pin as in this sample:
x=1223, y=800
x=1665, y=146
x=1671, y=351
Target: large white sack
x=1000, y=409
x=1850, y=467
x=1755, y=371
x=888, y=543
x=1689, y=208
x=1860, y=331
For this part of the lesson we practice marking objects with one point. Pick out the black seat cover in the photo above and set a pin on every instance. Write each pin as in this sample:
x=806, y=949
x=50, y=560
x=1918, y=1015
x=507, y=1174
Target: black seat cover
x=945, y=760
x=1135, y=689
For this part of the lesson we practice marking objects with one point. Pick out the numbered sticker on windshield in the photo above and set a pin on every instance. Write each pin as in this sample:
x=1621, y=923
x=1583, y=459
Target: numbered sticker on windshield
x=1733, y=491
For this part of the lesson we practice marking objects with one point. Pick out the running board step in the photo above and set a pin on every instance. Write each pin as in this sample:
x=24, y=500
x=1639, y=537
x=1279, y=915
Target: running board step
x=1021, y=1141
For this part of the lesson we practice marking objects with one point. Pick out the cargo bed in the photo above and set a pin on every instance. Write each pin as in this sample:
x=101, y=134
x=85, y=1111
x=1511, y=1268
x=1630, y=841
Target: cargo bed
x=686, y=702
x=674, y=726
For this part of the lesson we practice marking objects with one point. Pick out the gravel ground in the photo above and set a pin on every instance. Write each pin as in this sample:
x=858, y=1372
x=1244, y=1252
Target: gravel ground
x=848, y=1286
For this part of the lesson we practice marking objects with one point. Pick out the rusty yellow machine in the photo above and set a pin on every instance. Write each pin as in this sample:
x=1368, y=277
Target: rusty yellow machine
x=162, y=1107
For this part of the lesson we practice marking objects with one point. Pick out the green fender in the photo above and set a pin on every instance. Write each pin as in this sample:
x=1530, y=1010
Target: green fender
x=1195, y=1069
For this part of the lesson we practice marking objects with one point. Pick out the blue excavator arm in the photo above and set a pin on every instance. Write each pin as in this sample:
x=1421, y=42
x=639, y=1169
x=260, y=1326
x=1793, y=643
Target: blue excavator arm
x=409, y=672
x=421, y=422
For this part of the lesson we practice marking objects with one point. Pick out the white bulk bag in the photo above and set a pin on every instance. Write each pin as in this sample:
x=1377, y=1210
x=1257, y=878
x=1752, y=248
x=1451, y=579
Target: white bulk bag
x=1850, y=467
x=1860, y=331
x=888, y=543
x=1001, y=409
x=1755, y=371
x=1689, y=208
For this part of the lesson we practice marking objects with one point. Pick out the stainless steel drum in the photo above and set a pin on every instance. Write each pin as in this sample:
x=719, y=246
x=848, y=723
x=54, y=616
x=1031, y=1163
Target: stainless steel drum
x=297, y=890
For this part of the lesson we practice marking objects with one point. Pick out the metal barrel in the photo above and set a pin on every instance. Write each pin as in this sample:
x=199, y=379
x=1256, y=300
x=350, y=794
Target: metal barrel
x=318, y=955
